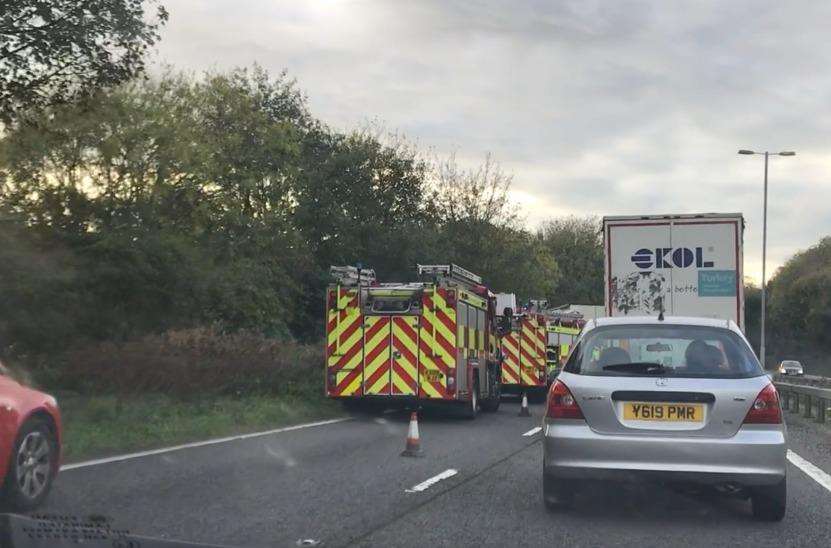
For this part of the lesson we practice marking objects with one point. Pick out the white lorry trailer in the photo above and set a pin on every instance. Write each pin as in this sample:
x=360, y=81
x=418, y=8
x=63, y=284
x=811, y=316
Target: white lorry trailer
x=683, y=265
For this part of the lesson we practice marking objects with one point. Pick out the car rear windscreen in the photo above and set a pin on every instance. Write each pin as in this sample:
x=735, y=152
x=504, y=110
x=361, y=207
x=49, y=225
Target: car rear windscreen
x=664, y=350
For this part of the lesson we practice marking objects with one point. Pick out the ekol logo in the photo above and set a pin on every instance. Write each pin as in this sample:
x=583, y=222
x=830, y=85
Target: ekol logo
x=668, y=257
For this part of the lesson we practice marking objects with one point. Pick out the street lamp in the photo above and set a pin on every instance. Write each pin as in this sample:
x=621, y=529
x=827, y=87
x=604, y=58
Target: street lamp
x=765, y=242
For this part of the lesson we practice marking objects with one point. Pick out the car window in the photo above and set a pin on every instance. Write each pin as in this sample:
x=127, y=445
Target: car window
x=681, y=351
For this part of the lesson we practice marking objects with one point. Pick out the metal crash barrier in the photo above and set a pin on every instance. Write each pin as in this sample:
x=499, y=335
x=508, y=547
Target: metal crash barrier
x=812, y=401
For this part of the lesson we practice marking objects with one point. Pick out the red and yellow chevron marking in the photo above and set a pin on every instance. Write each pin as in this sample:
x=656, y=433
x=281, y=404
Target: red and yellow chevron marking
x=510, y=358
x=344, y=336
x=531, y=358
x=542, y=339
x=436, y=345
x=405, y=355
x=377, y=355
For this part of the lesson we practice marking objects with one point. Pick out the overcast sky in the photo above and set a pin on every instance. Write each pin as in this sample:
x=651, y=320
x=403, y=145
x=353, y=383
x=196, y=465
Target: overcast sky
x=595, y=107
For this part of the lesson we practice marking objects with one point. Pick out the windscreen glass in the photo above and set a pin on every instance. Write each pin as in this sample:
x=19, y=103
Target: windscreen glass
x=665, y=350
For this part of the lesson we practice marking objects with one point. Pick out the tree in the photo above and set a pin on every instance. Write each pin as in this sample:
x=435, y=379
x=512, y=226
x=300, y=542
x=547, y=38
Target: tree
x=360, y=198
x=752, y=316
x=37, y=281
x=800, y=296
x=55, y=51
x=85, y=168
x=473, y=196
x=220, y=200
x=478, y=227
x=577, y=246
x=171, y=197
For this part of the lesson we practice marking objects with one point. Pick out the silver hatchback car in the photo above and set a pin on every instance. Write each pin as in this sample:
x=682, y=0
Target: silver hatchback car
x=791, y=367
x=674, y=399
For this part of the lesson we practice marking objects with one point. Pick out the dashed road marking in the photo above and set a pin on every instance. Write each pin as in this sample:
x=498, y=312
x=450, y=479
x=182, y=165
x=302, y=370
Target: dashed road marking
x=449, y=473
x=129, y=456
x=812, y=470
x=533, y=431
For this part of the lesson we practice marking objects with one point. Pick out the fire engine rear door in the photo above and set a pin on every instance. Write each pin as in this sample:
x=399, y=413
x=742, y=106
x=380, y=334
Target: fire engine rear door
x=404, y=355
x=510, y=358
x=532, y=353
x=377, y=355
x=390, y=355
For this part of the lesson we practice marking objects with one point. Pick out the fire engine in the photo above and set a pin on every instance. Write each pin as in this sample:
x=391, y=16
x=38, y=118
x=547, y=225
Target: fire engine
x=523, y=352
x=416, y=343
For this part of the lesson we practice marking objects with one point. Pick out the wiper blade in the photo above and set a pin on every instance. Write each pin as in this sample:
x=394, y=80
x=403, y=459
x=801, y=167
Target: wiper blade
x=652, y=368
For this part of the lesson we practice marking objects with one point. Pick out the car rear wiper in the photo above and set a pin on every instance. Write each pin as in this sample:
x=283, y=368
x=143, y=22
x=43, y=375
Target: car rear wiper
x=648, y=368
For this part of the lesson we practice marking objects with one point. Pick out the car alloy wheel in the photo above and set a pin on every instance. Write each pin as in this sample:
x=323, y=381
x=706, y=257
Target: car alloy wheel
x=33, y=464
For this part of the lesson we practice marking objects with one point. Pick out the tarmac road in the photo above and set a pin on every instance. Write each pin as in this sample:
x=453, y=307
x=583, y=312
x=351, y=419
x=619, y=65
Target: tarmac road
x=346, y=484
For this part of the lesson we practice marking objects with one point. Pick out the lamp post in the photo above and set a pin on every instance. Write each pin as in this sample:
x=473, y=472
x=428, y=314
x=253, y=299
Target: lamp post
x=765, y=243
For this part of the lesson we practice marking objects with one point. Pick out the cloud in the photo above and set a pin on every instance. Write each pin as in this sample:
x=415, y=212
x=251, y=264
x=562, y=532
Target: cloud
x=596, y=107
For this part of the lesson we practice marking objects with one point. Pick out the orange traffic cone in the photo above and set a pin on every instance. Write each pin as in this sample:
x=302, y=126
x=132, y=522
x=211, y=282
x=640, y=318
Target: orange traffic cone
x=523, y=411
x=413, y=447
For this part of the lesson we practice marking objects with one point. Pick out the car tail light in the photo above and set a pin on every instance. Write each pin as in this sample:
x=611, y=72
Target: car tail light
x=451, y=384
x=332, y=301
x=451, y=299
x=561, y=403
x=331, y=379
x=765, y=409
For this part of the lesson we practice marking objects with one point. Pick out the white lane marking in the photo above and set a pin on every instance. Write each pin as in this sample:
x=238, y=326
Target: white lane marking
x=533, y=431
x=119, y=458
x=449, y=473
x=813, y=471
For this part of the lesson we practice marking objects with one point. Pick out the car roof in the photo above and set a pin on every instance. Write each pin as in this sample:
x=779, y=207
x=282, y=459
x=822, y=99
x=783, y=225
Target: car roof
x=668, y=320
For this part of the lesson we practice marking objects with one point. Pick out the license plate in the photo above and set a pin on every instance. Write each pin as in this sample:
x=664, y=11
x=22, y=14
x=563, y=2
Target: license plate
x=666, y=412
x=431, y=375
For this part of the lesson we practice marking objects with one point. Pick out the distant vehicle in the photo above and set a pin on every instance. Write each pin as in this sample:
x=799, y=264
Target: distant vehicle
x=683, y=399
x=30, y=443
x=432, y=341
x=683, y=265
x=791, y=367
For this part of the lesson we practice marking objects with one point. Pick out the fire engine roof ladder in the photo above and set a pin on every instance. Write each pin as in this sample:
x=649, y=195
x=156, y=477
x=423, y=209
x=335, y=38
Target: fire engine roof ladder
x=352, y=275
x=450, y=271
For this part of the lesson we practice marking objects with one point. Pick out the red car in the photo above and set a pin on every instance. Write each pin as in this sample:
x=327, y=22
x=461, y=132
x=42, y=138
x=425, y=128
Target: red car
x=30, y=443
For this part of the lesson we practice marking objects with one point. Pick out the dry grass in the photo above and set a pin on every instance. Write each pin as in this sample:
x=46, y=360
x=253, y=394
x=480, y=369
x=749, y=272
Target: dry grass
x=191, y=362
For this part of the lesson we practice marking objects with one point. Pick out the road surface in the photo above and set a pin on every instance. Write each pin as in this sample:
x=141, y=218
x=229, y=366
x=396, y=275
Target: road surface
x=344, y=484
